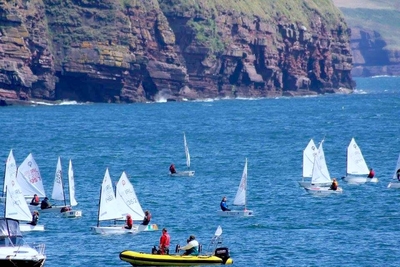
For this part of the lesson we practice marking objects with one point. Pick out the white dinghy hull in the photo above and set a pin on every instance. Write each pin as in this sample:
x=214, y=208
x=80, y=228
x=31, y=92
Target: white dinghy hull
x=308, y=184
x=112, y=230
x=30, y=228
x=49, y=210
x=394, y=185
x=182, y=174
x=72, y=214
x=236, y=213
x=360, y=180
x=316, y=190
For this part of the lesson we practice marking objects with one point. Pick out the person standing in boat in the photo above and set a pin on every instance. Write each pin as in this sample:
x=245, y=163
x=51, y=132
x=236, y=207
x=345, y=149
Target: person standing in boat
x=192, y=247
x=35, y=200
x=147, y=218
x=223, y=205
x=45, y=204
x=371, y=173
x=334, y=185
x=164, y=242
x=129, y=222
x=172, y=169
x=398, y=175
x=35, y=218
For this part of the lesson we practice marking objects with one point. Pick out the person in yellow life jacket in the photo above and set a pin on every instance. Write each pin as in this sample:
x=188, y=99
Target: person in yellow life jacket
x=334, y=185
x=35, y=200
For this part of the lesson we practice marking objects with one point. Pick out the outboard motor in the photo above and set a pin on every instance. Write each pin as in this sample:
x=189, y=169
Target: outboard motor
x=222, y=253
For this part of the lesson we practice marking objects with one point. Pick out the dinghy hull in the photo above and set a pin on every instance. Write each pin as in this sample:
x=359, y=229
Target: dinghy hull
x=114, y=230
x=394, y=185
x=359, y=180
x=236, y=213
x=316, y=190
x=146, y=259
x=30, y=228
x=72, y=214
x=183, y=174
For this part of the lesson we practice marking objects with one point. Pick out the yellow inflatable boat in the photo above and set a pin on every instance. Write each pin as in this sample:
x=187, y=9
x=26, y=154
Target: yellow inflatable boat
x=221, y=256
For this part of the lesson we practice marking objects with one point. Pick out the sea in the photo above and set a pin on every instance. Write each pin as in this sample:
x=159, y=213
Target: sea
x=360, y=227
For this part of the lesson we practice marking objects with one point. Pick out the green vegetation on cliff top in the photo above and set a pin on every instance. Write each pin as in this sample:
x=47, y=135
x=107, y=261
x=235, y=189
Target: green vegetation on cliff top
x=268, y=10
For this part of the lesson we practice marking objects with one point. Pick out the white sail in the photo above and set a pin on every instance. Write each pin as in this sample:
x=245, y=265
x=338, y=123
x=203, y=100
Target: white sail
x=320, y=170
x=308, y=158
x=71, y=183
x=10, y=171
x=127, y=199
x=29, y=178
x=356, y=164
x=109, y=208
x=58, y=189
x=16, y=206
x=186, y=151
x=240, y=198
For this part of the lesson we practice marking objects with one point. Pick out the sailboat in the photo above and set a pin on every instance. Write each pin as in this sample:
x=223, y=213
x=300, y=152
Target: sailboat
x=10, y=172
x=240, y=198
x=396, y=183
x=14, y=251
x=308, y=161
x=109, y=209
x=356, y=169
x=29, y=178
x=320, y=175
x=16, y=207
x=59, y=193
x=129, y=203
x=188, y=172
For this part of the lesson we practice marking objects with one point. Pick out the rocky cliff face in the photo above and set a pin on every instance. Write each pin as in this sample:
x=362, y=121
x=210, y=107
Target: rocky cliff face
x=142, y=50
x=370, y=55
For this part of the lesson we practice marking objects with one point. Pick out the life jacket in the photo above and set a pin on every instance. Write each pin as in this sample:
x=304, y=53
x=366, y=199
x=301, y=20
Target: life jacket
x=36, y=199
x=129, y=222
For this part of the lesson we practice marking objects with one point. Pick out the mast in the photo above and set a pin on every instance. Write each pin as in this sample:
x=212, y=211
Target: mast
x=245, y=192
x=98, y=211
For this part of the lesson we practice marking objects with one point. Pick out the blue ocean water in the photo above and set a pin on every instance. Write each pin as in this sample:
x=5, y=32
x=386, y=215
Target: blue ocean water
x=290, y=228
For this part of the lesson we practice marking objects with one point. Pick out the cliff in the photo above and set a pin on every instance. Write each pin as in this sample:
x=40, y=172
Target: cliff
x=143, y=50
x=374, y=42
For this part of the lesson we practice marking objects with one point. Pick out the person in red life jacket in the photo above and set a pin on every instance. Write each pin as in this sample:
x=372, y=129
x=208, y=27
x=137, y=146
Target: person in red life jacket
x=164, y=242
x=129, y=222
x=371, y=173
x=172, y=169
x=147, y=218
x=35, y=200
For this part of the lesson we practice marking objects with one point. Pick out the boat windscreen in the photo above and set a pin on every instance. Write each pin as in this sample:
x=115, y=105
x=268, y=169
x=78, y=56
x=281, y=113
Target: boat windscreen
x=9, y=227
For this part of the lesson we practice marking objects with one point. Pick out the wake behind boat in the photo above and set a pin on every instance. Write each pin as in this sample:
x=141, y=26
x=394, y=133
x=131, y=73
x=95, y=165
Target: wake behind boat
x=219, y=256
x=321, y=176
x=187, y=173
x=357, y=171
x=240, y=199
